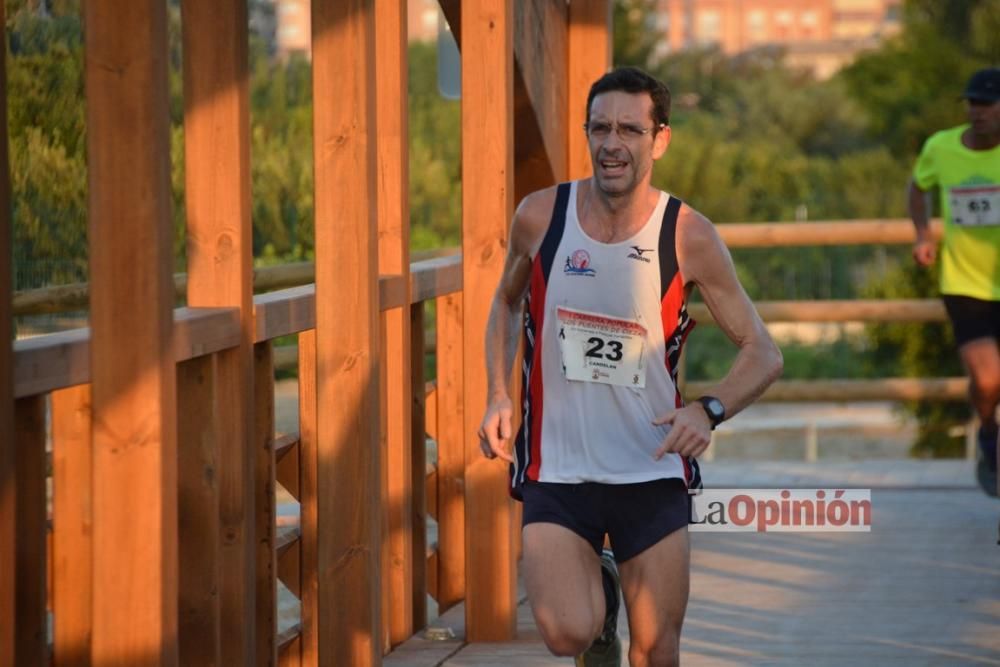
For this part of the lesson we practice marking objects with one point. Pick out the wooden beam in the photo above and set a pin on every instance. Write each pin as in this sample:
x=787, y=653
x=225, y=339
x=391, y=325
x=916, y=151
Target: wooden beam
x=199, y=531
x=344, y=129
x=131, y=299
x=540, y=48
x=308, y=646
x=487, y=206
x=540, y=153
x=451, y=453
x=220, y=273
x=7, y=521
x=72, y=523
x=831, y=232
x=883, y=389
x=55, y=361
x=265, y=510
x=588, y=58
x=30, y=619
x=393, y=258
x=416, y=443
x=860, y=310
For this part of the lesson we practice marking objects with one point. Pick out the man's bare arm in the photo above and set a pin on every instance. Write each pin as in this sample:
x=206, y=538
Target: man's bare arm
x=503, y=327
x=924, y=248
x=704, y=261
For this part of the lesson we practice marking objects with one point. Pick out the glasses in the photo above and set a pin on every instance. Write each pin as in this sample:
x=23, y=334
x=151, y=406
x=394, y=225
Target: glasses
x=600, y=130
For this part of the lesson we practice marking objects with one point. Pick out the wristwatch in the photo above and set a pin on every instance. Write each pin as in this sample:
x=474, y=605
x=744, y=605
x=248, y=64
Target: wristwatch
x=714, y=408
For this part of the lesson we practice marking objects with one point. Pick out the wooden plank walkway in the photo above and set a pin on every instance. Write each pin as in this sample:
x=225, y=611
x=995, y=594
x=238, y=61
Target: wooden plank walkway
x=922, y=588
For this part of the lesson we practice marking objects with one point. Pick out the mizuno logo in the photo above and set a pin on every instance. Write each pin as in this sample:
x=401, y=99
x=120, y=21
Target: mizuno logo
x=637, y=253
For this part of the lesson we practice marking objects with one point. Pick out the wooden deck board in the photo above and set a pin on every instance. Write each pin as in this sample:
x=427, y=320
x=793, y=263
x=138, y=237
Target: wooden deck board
x=923, y=588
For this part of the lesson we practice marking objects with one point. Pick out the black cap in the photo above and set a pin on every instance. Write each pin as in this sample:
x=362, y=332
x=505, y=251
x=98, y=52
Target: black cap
x=984, y=86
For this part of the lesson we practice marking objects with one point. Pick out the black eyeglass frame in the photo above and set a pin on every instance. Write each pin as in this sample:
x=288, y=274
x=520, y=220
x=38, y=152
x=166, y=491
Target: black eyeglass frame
x=637, y=132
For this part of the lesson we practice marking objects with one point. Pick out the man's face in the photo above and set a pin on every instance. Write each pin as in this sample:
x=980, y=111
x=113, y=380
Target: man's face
x=984, y=117
x=624, y=141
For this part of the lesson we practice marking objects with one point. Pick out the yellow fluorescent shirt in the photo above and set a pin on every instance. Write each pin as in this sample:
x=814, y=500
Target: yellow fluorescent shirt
x=969, y=183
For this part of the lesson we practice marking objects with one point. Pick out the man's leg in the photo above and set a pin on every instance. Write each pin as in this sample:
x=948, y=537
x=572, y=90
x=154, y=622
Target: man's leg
x=655, y=587
x=981, y=357
x=562, y=575
x=982, y=361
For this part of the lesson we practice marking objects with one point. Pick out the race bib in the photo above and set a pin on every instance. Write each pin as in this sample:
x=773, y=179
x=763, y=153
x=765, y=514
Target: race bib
x=975, y=206
x=600, y=348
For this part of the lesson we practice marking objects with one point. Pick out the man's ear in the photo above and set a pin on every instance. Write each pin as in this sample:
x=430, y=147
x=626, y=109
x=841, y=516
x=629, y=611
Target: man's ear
x=660, y=142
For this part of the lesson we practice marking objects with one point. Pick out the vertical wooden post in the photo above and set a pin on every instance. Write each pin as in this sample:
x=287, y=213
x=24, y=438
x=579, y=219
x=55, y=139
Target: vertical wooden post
x=30, y=620
x=451, y=453
x=131, y=319
x=417, y=444
x=72, y=496
x=393, y=258
x=7, y=541
x=349, y=622
x=487, y=194
x=266, y=512
x=308, y=515
x=199, y=533
x=588, y=57
x=220, y=273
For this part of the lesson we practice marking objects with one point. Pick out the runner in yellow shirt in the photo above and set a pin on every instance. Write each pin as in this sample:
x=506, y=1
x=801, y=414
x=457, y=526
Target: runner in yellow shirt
x=964, y=164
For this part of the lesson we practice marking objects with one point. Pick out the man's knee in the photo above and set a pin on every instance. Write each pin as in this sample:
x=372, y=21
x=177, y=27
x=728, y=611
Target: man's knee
x=986, y=386
x=565, y=635
x=663, y=652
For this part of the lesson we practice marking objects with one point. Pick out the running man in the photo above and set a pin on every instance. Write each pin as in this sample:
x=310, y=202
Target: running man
x=964, y=163
x=597, y=276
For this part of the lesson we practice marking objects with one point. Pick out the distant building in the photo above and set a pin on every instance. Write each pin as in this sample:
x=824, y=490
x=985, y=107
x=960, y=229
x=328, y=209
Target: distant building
x=422, y=20
x=821, y=35
x=294, y=27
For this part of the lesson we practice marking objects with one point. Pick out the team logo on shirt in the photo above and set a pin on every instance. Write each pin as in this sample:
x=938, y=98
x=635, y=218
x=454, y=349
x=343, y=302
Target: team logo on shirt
x=578, y=264
x=638, y=253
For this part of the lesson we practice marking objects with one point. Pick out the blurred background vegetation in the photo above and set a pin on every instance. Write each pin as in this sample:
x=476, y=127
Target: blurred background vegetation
x=754, y=140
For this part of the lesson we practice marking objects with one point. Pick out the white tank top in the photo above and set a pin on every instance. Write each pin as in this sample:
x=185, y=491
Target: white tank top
x=603, y=329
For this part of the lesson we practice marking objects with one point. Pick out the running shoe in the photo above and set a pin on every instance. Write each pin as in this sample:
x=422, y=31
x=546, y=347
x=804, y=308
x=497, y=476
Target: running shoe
x=986, y=463
x=606, y=651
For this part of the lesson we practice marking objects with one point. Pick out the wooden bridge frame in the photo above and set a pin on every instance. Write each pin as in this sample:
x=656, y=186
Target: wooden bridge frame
x=168, y=413
x=164, y=546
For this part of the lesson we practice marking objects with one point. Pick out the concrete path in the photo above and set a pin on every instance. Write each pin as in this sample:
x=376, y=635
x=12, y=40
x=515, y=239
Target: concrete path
x=922, y=588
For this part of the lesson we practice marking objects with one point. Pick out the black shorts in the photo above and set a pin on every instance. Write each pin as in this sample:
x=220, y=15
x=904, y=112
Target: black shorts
x=972, y=318
x=634, y=516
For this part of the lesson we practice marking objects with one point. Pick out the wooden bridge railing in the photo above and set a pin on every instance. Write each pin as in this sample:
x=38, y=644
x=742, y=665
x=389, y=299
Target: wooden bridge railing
x=166, y=547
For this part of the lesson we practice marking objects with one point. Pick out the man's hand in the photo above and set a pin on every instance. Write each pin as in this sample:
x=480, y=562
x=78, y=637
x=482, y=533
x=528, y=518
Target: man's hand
x=690, y=431
x=494, y=431
x=924, y=251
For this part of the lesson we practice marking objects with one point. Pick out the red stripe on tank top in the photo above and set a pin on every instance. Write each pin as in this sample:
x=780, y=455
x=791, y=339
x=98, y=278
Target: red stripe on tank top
x=535, y=379
x=670, y=309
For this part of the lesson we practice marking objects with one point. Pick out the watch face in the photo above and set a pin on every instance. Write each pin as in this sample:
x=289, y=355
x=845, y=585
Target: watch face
x=714, y=408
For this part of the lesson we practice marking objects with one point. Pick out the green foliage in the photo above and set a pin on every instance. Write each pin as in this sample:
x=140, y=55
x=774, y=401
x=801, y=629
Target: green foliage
x=47, y=145
x=919, y=350
x=435, y=156
x=909, y=88
x=634, y=37
x=47, y=121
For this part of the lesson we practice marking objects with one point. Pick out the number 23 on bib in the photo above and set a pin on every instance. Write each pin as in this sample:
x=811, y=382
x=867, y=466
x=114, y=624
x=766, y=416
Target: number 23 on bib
x=601, y=348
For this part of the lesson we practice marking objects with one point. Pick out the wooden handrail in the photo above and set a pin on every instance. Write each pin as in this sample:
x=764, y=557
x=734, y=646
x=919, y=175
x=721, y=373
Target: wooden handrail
x=832, y=232
x=441, y=280
x=885, y=389
x=867, y=310
x=54, y=361
x=436, y=273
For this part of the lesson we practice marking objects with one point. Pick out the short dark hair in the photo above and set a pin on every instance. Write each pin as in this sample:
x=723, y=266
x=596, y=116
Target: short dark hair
x=634, y=80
